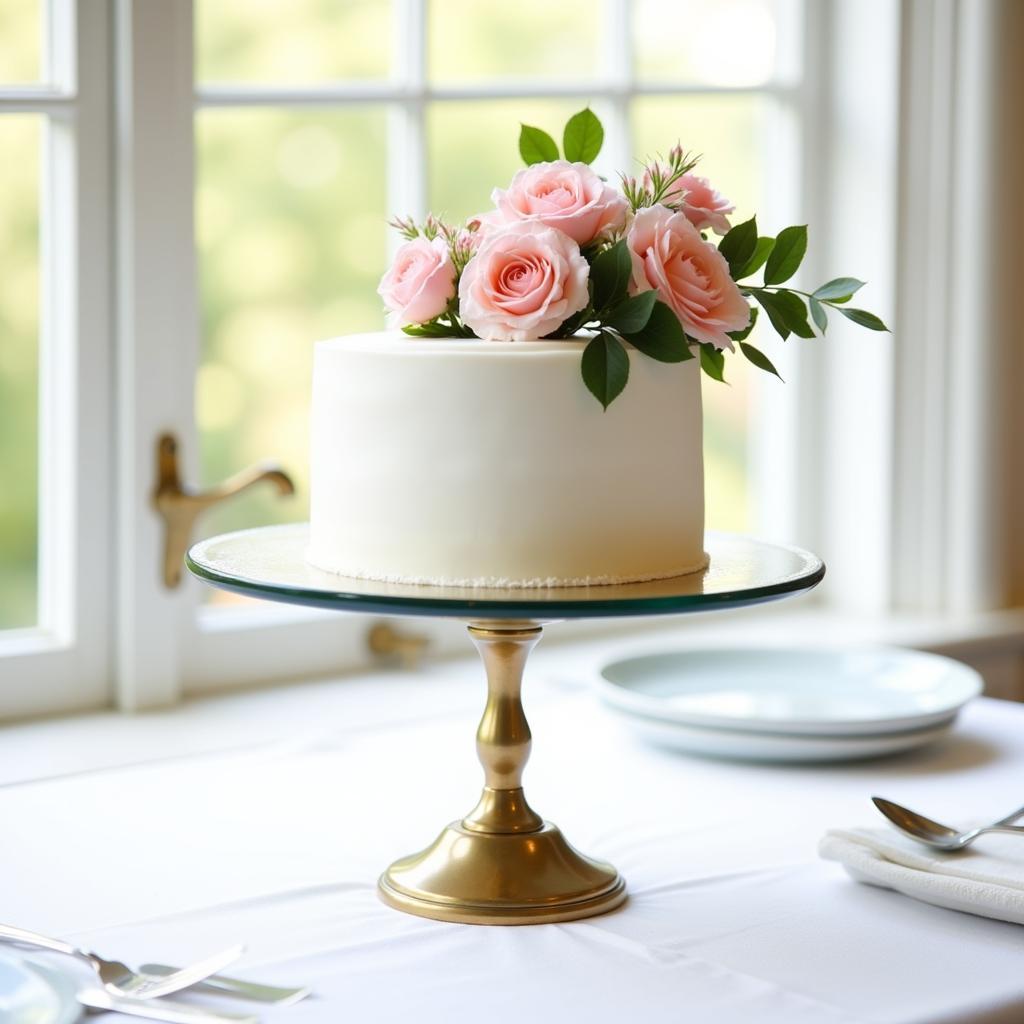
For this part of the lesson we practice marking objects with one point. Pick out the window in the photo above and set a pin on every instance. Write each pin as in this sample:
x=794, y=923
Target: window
x=169, y=266
x=55, y=509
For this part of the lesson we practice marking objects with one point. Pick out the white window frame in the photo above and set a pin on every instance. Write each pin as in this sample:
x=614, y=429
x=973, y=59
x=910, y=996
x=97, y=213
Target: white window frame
x=63, y=662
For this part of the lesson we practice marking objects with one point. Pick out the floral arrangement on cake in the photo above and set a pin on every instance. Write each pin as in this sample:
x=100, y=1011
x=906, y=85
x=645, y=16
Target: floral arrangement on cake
x=564, y=252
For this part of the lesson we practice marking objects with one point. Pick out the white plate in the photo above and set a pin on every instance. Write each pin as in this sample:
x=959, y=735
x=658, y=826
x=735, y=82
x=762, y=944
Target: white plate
x=765, y=746
x=812, y=692
x=35, y=994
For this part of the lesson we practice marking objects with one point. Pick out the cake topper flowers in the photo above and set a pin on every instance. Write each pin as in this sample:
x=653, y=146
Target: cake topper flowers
x=563, y=252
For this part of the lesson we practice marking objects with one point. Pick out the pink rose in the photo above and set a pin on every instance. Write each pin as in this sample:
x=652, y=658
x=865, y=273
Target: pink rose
x=690, y=275
x=420, y=282
x=696, y=197
x=569, y=197
x=704, y=207
x=522, y=283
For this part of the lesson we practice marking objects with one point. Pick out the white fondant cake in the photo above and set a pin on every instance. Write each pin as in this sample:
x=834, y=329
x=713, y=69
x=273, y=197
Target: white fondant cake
x=482, y=463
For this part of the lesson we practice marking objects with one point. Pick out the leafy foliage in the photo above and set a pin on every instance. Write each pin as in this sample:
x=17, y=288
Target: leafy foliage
x=644, y=320
x=605, y=367
x=786, y=256
x=535, y=145
x=758, y=358
x=818, y=314
x=712, y=362
x=762, y=250
x=864, y=318
x=583, y=137
x=632, y=314
x=739, y=246
x=842, y=289
x=609, y=276
x=662, y=337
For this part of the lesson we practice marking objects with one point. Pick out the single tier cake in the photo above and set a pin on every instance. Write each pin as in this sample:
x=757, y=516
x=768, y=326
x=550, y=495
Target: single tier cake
x=478, y=463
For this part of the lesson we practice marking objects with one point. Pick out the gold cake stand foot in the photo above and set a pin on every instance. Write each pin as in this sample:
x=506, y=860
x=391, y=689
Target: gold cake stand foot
x=502, y=864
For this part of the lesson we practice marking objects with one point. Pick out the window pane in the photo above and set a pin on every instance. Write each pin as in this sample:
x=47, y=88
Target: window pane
x=291, y=228
x=473, y=148
x=725, y=43
x=530, y=38
x=19, y=367
x=728, y=131
x=292, y=41
x=20, y=38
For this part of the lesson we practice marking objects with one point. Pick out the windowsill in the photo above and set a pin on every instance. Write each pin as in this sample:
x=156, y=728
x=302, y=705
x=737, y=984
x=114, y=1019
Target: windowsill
x=268, y=717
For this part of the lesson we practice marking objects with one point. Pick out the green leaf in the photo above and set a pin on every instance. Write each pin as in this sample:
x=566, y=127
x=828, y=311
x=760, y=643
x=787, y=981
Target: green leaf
x=864, y=318
x=605, y=367
x=841, y=289
x=795, y=313
x=429, y=330
x=745, y=333
x=536, y=145
x=758, y=358
x=786, y=255
x=662, y=337
x=818, y=314
x=762, y=250
x=786, y=311
x=633, y=313
x=739, y=245
x=583, y=136
x=609, y=276
x=712, y=362
x=775, y=312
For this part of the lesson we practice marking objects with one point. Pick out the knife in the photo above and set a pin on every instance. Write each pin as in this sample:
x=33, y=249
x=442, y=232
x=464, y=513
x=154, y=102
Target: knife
x=223, y=985
x=159, y=1009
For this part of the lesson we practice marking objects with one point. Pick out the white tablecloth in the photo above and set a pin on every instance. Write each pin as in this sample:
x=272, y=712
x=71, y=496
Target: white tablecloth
x=278, y=842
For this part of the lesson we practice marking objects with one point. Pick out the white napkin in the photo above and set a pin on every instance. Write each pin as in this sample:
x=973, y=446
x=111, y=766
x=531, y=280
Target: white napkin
x=986, y=879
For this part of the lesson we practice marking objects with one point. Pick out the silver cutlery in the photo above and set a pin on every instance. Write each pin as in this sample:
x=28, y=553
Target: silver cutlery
x=117, y=978
x=220, y=984
x=158, y=1009
x=938, y=836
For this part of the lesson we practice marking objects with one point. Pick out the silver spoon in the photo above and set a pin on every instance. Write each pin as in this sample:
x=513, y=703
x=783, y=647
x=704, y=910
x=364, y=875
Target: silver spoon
x=941, y=837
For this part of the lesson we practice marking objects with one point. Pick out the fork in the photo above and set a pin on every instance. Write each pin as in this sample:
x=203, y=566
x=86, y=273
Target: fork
x=119, y=979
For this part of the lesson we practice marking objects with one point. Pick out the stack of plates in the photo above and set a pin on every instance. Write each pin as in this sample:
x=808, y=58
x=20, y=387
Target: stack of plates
x=790, y=704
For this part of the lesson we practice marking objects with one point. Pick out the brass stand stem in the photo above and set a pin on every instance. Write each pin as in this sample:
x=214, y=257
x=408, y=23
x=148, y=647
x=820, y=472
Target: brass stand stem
x=502, y=864
x=503, y=739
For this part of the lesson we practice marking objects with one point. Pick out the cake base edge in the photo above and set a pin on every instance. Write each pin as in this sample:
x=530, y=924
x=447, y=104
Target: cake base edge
x=504, y=583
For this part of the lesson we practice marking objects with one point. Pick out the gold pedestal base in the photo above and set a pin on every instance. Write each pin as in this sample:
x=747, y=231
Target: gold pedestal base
x=514, y=878
x=502, y=864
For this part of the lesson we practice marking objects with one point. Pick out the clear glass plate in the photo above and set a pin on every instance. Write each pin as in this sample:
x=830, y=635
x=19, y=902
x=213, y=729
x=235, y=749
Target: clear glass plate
x=269, y=562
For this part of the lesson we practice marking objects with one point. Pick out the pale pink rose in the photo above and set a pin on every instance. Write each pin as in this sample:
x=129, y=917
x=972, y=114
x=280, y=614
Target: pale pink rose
x=703, y=205
x=698, y=199
x=690, y=275
x=419, y=283
x=522, y=283
x=562, y=195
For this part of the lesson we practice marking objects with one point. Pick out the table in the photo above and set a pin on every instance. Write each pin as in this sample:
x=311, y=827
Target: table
x=731, y=916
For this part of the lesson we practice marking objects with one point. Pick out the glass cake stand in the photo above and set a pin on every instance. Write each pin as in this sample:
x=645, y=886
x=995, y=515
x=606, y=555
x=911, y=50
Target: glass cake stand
x=502, y=863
